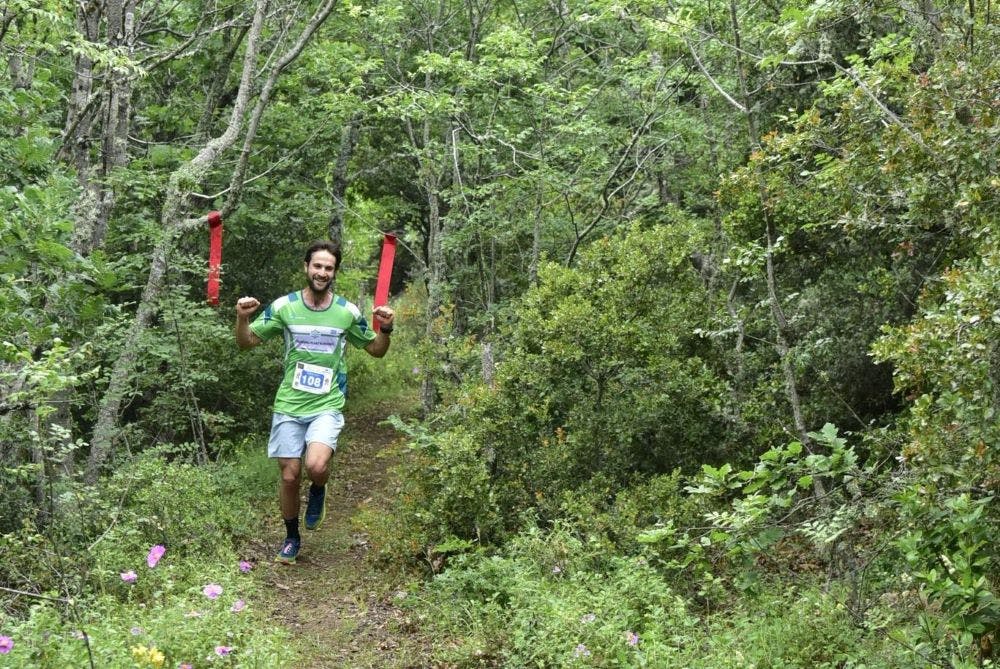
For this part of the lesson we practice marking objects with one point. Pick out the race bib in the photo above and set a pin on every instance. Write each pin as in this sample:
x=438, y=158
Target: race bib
x=312, y=378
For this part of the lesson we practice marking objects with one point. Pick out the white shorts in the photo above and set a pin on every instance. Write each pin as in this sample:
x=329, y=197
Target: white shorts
x=291, y=434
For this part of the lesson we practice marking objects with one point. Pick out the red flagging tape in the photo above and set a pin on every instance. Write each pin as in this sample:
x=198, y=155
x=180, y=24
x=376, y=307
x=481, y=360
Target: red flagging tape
x=214, y=256
x=384, y=274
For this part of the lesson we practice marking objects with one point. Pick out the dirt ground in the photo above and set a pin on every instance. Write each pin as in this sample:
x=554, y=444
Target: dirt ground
x=343, y=612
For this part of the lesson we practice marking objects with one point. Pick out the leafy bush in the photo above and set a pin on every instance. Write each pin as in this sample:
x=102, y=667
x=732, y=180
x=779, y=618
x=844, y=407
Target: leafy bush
x=164, y=612
x=394, y=377
x=210, y=508
x=94, y=569
x=947, y=360
x=621, y=516
x=797, y=627
x=553, y=601
x=596, y=382
x=190, y=382
x=444, y=495
x=599, y=378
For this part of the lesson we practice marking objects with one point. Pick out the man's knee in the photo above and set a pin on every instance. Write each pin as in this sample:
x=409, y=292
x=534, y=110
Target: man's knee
x=316, y=468
x=317, y=461
x=290, y=473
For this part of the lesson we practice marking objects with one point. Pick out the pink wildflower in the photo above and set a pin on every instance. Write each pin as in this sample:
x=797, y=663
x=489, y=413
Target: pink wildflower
x=223, y=650
x=155, y=553
x=184, y=665
x=6, y=644
x=245, y=566
x=136, y=631
x=128, y=576
x=212, y=591
x=238, y=606
x=632, y=638
x=581, y=651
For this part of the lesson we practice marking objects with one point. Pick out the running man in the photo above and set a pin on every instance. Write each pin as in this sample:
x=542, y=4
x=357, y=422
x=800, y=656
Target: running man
x=317, y=325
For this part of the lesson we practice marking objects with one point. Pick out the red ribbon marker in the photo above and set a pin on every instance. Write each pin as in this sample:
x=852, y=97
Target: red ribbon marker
x=214, y=256
x=384, y=274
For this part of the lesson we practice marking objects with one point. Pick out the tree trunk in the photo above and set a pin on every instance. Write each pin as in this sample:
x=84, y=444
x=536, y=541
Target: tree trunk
x=435, y=288
x=536, y=242
x=348, y=140
x=115, y=116
x=79, y=121
x=781, y=340
x=118, y=386
x=779, y=321
x=172, y=220
x=232, y=38
x=489, y=364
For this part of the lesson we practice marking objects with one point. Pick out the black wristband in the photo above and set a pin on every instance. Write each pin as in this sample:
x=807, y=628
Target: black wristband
x=386, y=329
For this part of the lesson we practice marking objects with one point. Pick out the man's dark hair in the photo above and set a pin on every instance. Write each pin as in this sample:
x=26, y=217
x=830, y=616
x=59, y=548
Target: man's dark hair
x=323, y=245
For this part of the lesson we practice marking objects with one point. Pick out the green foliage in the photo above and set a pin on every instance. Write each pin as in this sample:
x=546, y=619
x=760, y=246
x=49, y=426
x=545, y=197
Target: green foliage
x=445, y=494
x=796, y=627
x=547, y=604
x=223, y=494
x=533, y=131
x=946, y=361
x=47, y=289
x=794, y=510
x=162, y=631
x=189, y=385
x=200, y=514
x=27, y=134
x=49, y=302
x=23, y=468
x=557, y=599
x=872, y=188
x=621, y=517
x=782, y=476
x=596, y=383
x=954, y=562
x=599, y=379
x=393, y=379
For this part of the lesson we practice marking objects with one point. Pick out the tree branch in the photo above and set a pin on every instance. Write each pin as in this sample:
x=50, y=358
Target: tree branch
x=881, y=105
x=729, y=98
x=61, y=600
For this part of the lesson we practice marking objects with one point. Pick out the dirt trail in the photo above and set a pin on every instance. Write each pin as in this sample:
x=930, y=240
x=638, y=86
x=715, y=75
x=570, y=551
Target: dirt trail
x=342, y=612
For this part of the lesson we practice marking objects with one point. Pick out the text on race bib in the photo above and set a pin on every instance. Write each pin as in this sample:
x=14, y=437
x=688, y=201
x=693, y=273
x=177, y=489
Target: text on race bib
x=312, y=378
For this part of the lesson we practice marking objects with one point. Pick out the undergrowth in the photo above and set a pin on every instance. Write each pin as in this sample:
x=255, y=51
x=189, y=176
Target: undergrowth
x=553, y=599
x=143, y=571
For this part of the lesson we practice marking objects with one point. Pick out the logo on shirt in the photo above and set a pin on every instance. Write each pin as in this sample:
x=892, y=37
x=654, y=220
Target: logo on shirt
x=316, y=338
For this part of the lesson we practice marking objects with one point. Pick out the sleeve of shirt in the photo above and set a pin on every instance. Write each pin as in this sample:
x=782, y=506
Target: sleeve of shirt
x=270, y=323
x=359, y=334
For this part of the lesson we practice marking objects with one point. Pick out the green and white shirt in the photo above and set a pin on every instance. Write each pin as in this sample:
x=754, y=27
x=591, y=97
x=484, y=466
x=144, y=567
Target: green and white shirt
x=315, y=377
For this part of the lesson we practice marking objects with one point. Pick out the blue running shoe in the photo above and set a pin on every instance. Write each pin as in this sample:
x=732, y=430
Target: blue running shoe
x=289, y=551
x=315, y=508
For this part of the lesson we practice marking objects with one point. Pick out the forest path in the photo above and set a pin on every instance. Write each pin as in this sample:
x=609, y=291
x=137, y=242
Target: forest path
x=341, y=611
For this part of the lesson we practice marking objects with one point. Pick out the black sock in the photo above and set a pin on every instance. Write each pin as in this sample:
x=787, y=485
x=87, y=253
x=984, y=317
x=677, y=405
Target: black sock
x=292, y=528
x=316, y=489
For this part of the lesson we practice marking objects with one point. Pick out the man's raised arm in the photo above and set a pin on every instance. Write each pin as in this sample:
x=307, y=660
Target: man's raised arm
x=245, y=338
x=380, y=345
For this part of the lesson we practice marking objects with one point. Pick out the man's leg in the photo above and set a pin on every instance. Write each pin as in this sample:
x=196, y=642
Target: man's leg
x=321, y=442
x=317, y=464
x=288, y=491
x=288, y=500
